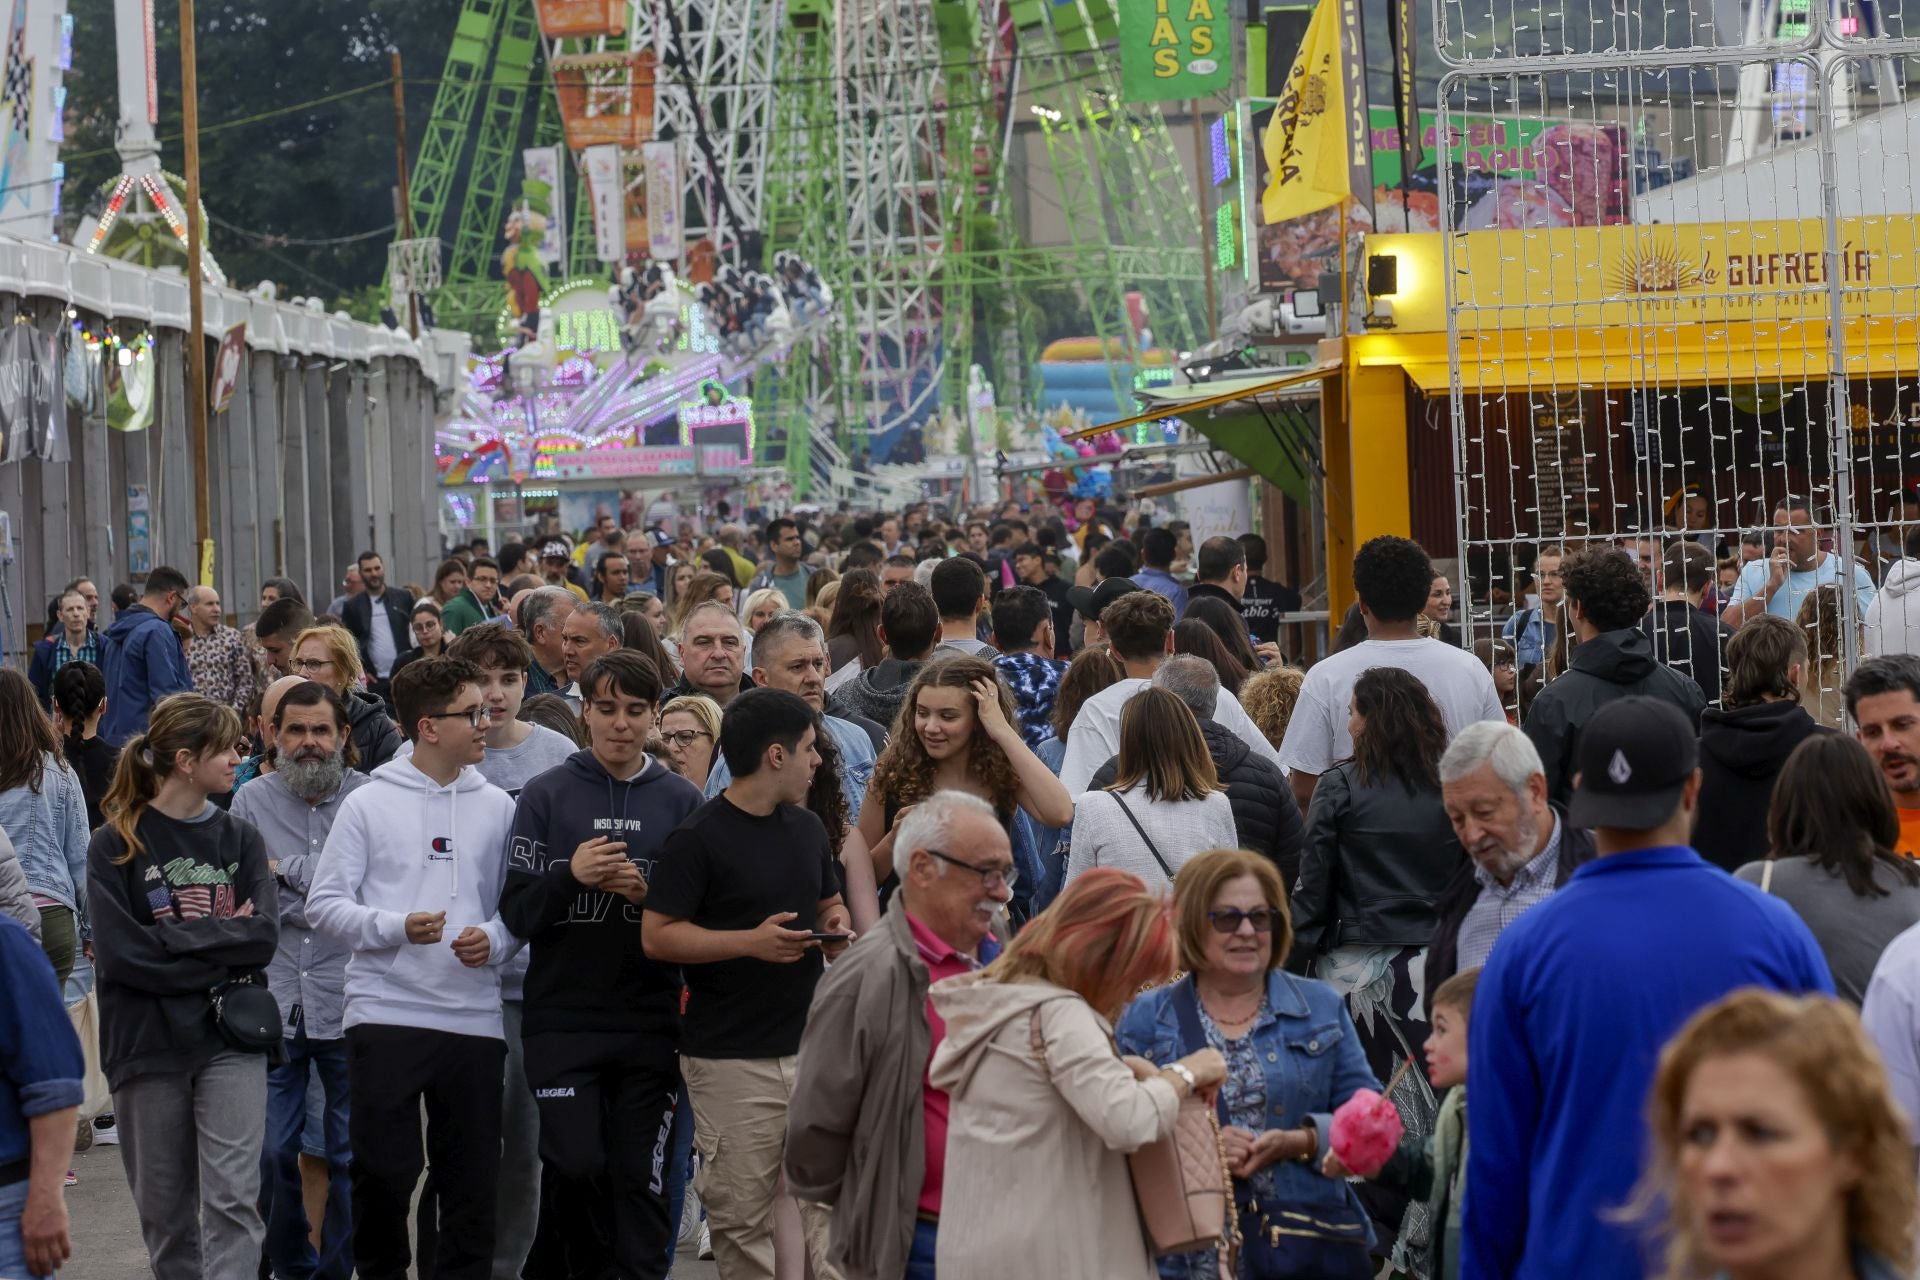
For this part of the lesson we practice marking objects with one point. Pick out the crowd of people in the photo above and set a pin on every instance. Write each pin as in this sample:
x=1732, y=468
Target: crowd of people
x=884, y=896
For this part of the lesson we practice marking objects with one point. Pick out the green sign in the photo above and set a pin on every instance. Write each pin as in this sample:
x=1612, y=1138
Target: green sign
x=1173, y=49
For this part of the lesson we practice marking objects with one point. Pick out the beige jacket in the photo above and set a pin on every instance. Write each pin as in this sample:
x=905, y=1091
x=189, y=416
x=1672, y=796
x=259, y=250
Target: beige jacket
x=1036, y=1173
x=856, y=1128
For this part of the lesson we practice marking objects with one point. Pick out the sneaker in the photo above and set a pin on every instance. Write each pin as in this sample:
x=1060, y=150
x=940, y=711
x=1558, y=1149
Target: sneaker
x=105, y=1131
x=83, y=1140
x=706, y=1242
x=73, y=1179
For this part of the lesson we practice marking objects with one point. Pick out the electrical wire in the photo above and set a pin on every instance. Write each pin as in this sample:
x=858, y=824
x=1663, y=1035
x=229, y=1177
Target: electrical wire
x=267, y=237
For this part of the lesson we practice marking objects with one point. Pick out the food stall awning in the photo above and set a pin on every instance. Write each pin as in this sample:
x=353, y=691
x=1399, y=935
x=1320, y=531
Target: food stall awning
x=1258, y=420
x=1729, y=365
x=1178, y=402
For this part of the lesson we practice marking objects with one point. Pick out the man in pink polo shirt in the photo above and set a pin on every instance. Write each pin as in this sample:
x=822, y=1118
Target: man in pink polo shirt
x=864, y=1132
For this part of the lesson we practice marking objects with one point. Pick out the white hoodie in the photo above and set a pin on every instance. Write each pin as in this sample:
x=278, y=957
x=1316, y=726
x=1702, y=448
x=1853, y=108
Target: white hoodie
x=1893, y=619
x=404, y=843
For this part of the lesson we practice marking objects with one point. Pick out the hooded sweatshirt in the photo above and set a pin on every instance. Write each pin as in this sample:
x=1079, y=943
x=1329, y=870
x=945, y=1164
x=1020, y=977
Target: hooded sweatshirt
x=1741, y=753
x=589, y=971
x=877, y=692
x=1614, y=664
x=141, y=658
x=404, y=843
x=1893, y=619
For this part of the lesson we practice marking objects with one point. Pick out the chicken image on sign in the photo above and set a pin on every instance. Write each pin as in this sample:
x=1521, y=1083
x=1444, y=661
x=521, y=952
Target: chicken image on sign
x=717, y=418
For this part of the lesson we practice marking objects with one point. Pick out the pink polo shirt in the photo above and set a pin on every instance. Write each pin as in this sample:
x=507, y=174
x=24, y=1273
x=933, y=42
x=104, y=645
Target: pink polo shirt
x=942, y=961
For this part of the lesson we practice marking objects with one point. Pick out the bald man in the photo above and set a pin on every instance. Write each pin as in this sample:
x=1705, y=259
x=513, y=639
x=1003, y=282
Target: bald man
x=254, y=766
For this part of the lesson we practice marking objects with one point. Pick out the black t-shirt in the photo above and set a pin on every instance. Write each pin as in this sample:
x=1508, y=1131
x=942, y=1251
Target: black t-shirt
x=724, y=868
x=1262, y=604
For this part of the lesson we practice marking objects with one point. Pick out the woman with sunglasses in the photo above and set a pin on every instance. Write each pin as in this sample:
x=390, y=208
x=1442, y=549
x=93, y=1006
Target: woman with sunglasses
x=1293, y=1057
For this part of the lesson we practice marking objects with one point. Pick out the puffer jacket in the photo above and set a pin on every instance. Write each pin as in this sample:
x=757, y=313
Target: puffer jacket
x=1376, y=860
x=1265, y=814
x=1614, y=664
x=374, y=736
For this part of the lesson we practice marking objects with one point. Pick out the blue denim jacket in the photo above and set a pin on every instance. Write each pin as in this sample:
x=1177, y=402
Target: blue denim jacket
x=1314, y=1062
x=49, y=831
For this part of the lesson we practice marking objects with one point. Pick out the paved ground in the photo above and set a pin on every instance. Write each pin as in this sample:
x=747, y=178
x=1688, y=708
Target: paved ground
x=106, y=1231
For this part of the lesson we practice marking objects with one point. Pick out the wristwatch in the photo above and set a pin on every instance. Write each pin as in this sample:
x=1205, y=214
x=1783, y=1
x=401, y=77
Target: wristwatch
x=1181, y=1069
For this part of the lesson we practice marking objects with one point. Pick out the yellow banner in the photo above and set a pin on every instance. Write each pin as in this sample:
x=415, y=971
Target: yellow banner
x=1680, y=273
x=1305, y=144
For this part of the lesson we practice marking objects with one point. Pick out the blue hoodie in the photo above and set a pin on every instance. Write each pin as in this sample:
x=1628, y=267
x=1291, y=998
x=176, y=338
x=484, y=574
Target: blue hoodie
x=141, y=657
x=1572, y=1010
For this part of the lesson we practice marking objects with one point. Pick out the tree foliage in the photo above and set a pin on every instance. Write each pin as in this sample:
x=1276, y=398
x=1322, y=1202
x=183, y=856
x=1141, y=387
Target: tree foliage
x=273, y=178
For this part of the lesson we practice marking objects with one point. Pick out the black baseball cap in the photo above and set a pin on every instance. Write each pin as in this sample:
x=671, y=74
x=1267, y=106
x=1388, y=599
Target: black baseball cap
x=1632, y=761
x=555, y=550
x=1093, y=601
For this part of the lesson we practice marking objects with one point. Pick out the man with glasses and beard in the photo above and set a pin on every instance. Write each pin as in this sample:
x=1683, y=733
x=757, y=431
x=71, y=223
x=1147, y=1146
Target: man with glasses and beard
x=1520, y=846
x=294, y=807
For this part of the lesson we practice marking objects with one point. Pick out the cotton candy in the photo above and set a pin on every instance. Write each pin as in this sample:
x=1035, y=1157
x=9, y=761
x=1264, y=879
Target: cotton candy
x=1366, y=1129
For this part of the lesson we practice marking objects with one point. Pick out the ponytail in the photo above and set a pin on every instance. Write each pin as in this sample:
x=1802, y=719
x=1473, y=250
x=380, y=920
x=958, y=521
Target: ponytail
x=189, y=722
x=135, y=783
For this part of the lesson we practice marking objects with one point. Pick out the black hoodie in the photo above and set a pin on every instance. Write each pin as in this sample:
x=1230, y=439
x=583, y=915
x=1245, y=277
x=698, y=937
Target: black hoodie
x=588, y=971
x=1614, y=664
x=1741, y=753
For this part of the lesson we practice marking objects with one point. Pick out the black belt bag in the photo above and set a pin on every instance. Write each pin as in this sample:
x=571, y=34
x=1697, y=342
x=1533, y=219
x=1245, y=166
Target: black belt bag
x=246, y=1015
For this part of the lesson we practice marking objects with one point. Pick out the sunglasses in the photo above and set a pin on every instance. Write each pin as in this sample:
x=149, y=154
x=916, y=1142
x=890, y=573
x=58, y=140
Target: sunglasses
x=1230, y=920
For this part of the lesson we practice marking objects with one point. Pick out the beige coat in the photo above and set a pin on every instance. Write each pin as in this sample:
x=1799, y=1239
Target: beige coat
x=1036, y=1174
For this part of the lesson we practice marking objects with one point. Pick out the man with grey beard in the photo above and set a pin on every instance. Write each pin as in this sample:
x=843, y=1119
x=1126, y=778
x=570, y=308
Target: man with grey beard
x=294, y=808
x=1520, y=846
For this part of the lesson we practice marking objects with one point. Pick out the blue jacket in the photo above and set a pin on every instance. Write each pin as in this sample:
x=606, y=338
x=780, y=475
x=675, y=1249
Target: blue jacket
x=41, y=1069
x=1573, y=1007
x=1314, y=1062
x=1167, y=585
x=48, y=828
x=141, y=657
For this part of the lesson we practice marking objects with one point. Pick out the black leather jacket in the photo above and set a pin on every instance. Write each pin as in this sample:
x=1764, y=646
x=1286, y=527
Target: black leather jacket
x=1375, y=862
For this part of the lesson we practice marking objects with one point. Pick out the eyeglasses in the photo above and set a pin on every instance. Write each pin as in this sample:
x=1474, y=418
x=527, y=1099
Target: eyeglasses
x=684, y=737
x=991, y=878
x=304, y=666
x=476, y=717
x=1230, y=920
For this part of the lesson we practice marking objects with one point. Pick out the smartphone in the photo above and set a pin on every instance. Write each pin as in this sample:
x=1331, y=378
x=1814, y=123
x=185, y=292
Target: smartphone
x=818, y=936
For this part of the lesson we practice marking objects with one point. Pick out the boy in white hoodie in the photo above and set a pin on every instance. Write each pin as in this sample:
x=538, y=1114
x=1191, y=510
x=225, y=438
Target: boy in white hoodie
x=416, y=854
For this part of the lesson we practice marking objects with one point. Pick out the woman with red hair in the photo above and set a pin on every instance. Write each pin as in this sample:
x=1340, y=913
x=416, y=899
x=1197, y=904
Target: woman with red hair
x=1043, y=1108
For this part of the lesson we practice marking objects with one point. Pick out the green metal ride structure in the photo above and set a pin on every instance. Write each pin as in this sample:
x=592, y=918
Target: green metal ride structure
x=871, y=138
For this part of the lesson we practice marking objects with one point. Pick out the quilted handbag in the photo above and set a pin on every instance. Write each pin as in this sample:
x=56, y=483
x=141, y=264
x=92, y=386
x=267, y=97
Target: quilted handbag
x=1182, y=1184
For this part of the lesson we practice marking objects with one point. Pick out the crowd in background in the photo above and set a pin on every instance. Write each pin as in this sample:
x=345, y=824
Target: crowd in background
x=853, y=896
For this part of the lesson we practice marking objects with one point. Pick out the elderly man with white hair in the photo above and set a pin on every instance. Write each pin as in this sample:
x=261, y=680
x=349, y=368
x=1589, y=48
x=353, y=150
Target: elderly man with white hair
x=1520, y=846
x=864, y=1132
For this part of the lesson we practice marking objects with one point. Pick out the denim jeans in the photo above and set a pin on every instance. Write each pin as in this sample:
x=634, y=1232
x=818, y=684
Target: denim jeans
x=920, y=1261
x=289, y=1246
x=13, y=1251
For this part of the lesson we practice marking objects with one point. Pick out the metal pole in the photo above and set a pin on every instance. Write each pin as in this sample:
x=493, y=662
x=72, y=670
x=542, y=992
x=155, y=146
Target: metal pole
x=196, y=338
x=1201, y=181
x=406, y=199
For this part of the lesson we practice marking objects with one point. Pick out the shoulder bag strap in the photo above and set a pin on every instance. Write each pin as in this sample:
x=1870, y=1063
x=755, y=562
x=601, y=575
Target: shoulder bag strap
x=1117, y=799
x=1193, y=1037
x=1766, y=876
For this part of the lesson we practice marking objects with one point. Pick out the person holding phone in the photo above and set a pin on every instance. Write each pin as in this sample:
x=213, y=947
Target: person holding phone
x=740, y=889
x=1793, y=569
x=601, y=1022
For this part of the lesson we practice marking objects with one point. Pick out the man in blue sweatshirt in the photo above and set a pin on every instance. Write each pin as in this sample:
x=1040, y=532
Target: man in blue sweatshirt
x=141, y=656
x=601, y=1026
x=1582, y=991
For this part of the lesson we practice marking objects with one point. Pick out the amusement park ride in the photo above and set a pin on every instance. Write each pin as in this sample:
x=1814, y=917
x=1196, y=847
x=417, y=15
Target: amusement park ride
x=844, y=254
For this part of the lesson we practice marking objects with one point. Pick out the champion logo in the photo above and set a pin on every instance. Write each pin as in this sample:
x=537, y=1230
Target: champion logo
x=566, y=1092
x=1618, y=769
x=443, y=844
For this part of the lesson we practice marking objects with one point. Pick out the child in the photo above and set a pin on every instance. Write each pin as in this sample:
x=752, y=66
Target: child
x=1434, y=1168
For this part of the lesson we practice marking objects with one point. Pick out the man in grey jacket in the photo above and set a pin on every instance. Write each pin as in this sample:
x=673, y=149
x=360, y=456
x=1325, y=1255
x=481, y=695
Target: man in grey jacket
x=865, y=1135
x=294, y=808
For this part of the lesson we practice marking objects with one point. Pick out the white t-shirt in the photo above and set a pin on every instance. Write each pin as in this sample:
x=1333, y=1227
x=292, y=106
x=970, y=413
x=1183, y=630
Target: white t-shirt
x=1094, y=737
x=380, y=645
x=1317, y=736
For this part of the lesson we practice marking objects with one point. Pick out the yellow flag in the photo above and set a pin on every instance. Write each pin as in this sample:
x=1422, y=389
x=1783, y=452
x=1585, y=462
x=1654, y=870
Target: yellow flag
x=1305, y=144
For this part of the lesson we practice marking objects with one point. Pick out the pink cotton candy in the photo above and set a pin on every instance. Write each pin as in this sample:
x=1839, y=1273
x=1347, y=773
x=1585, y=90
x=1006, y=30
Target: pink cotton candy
x=1366, y=1129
